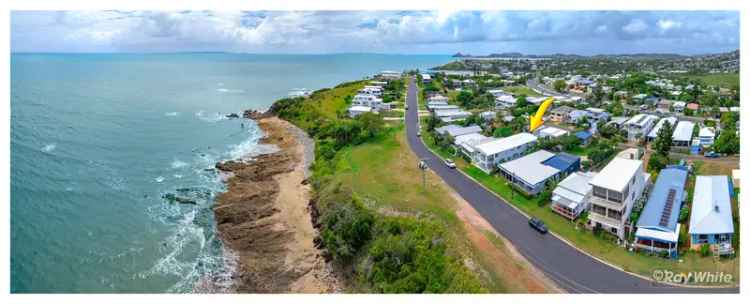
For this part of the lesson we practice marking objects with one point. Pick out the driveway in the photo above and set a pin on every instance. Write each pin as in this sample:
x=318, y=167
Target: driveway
x=572, y=270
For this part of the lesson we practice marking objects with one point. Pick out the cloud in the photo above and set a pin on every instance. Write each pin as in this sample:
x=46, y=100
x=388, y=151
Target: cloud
x=666, y=24
x=635, y=26
x=373, y=31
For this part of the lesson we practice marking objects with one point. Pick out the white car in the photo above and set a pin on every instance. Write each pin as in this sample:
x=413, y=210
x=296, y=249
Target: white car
x=449, y=162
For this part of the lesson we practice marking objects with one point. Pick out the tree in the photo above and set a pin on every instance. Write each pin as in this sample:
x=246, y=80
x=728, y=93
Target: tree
x=464, y=98
x=559, y=85
x=663, y=141
x=521, y=101
x=657, y=162
x=727, y=142
x=616, y=108
x=372, y=124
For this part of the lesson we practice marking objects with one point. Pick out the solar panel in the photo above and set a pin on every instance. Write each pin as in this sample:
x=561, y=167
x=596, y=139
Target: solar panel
x=665, y=214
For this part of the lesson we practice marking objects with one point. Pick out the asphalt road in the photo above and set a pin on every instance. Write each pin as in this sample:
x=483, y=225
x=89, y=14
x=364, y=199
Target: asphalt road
x=572, y=270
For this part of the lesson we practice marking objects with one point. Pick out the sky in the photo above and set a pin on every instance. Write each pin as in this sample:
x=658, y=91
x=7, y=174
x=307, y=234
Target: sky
x=397, y=32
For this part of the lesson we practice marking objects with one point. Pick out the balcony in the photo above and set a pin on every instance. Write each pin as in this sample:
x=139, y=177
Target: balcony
x=595, y=217
x=608, y=204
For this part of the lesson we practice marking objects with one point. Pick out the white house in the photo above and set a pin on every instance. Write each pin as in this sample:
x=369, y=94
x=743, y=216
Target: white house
x=491, y=153
x=683, y=133
x=572, y=195
x=456, y=130
x=505, y=101
x=370, y=101
x=655, y=130
x=426, y=78
x=355, y=111
x=550, y=131
x=706, y=136
x=679, y=106
x=615, y=189
x=390, y=75
x=451, y=115
x=372, y=90
x=437, y=98
x=711, y=214
x=466, y=143
x=639, y=125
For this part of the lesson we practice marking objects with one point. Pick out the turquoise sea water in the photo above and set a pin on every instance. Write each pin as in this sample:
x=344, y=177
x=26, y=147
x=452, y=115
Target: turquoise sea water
x=97, y=140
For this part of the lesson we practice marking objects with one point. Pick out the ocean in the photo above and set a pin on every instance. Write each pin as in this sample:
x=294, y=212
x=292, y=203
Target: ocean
x=101, y=142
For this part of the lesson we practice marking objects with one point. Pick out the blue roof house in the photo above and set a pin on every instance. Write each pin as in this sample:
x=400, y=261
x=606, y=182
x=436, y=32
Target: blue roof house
x=657, y=229
x=584, y=136
x=711, y=214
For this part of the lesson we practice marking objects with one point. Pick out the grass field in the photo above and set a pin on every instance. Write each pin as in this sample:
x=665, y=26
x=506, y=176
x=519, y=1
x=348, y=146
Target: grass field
x=603, y=246
x=521, y=90
x=725, y=80
x=385, y=175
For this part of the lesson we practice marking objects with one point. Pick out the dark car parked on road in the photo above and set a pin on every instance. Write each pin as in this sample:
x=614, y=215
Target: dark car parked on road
x=538, y=225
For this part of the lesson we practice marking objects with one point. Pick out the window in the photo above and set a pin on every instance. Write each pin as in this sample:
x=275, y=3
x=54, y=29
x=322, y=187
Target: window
x=599, y=210
x=614, y=230
x=600, y=192
x=614, y=196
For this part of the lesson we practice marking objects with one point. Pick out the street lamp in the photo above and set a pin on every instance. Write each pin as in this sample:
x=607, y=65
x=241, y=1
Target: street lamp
x=423, y=166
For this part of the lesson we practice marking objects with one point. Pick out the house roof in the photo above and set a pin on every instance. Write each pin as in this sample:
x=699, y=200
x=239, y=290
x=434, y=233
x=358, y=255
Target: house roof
x=456, y=130
x=683, y=131
x=583, y=135
x=655, y=130
x=550, y=131
x=507, y=143
x=531, y=168
x=563, y=110
x=711, y=212
x=679, y=104
x=574, y=187
x=640, y=119
x=693, y=106
x=706, y=132
x=617, y=173
x=663, y=206
x=562, y=161
x=360, y=108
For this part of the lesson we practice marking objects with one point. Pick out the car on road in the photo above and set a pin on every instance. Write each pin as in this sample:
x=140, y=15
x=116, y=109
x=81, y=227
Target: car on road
x=449, y=162
x=538, y=225
x=711, y=154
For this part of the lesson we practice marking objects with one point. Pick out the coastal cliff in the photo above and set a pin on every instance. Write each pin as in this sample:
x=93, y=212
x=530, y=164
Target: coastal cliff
x=265, y=219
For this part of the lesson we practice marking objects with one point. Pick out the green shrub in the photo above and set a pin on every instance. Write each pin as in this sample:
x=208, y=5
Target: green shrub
x=705, y=250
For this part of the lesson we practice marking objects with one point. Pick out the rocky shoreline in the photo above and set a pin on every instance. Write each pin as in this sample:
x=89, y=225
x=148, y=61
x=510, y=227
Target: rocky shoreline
x=265, y=219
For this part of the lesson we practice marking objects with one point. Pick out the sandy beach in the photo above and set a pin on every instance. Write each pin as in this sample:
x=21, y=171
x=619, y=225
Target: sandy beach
x=264, y=216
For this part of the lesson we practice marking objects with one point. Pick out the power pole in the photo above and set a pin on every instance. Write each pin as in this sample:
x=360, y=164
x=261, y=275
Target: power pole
x=423, y=166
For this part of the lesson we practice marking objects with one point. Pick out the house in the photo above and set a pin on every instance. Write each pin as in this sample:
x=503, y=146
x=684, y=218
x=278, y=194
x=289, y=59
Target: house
x=657, y=229
x=560, y=114
x=390, y=75
x=355, y=111
x=489, y=154
x=466, y=143
x=596, y=115
x=693, y=106
x=451, y=115
x=456, y=130
x=550, y=131
x=372, y=90
x=706, y=136
x=683, y=133
x=536, y=100
x=505, y=101
x=630, y=153
x=615, y=189
x=488, y=115
x=679, y=106
x=370, y=101
x=617, y=122
x=575, y=116
x=437, y=98
x=663, y=106
x=584, y=137
x=639, y=98
x=530, y=173
x=426, y=78
x=655, y=130
x=711, y=214
x=639, y=125
x=572, y=195
x=436, y=107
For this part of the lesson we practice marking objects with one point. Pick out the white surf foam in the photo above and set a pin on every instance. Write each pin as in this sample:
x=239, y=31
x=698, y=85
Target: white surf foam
x=176, y=164
x=171, y=113
x=225, y=90
x=159, y=179
x=49, y=148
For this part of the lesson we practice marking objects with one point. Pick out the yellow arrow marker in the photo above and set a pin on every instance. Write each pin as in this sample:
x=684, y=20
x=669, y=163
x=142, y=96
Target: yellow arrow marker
x=536, y=120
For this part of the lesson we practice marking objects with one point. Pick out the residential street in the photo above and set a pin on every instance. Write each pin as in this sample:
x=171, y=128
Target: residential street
x=569, y=268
